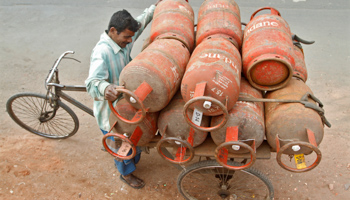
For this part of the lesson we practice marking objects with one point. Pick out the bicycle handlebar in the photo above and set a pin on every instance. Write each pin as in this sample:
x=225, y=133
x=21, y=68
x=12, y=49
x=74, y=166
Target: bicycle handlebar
x=56, y=65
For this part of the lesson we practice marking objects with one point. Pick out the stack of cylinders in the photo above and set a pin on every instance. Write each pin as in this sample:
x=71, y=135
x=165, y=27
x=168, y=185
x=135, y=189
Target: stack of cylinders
x=267, y=51
x=216, y=60
x=153, y=77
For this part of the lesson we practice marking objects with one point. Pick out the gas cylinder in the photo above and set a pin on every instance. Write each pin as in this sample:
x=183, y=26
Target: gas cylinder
x=174, y=19
x=152, y=78
x=299, y=68
x=248, y=118
x=171, y=122
x=133, y=134
x=267, y=51
x=219, y=18
x=174, y=128
x=293, y=128
x=212, y=78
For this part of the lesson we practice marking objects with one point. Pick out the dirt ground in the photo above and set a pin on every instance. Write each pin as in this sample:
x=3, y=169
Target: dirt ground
x=34, y=34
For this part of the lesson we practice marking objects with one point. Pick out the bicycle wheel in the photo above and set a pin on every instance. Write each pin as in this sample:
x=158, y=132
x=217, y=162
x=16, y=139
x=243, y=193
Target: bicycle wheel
x=34, y=113
x=209, y=180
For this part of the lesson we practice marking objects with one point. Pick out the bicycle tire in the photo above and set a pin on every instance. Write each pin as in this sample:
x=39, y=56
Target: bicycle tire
x=25, y=110
x=209, y=180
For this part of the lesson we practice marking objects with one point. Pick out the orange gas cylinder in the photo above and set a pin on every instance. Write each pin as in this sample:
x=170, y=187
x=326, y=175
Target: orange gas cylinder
x=294, y=128
x=174, y=19
x=134, y=135
x=212, y=78
x=152, y=78
x=299, y=68
x=244, y=130
x=175, y=130
x=267, y=51
x=219, y=18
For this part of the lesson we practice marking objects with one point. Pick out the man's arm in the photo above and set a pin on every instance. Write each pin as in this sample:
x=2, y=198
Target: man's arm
x=98, y=79
x=145, y=18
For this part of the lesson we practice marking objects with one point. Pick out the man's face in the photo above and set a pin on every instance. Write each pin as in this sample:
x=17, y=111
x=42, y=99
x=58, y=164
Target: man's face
x=123, y=38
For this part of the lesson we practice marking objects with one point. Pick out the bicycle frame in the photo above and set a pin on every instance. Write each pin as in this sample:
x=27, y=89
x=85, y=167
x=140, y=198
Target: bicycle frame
x=52, y=81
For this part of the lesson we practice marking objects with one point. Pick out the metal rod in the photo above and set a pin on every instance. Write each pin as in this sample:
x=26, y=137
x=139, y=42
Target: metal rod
x=75, y=102
x=56, y=65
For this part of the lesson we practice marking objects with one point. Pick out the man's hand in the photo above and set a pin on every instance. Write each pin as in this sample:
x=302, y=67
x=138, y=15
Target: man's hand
x=157, y=2
x=111, y=93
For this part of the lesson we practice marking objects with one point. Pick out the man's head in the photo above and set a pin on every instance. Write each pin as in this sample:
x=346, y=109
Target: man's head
x=122, y=27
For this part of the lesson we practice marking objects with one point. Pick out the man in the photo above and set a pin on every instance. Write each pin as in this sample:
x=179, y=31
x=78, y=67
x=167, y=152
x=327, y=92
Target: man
x=110, y=55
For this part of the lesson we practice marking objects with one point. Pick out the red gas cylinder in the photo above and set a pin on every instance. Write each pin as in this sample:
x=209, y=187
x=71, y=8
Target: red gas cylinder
x=212, y=78
x=152, y=78
x=133, y=135
x=244, y=130
x=219, y=18
x=174, y=19
x=299, y=68
x=267, y=51
x=294, y=128
x=175, y=130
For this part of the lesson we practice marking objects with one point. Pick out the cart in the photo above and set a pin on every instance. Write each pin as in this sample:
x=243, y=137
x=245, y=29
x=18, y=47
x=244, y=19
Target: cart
x=205, y=178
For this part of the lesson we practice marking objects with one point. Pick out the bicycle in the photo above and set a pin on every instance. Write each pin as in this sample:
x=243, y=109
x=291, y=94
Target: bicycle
x=46, y=115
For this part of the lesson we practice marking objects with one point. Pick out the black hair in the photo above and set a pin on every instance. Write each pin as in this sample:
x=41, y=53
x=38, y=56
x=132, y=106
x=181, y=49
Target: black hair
x=122, y=20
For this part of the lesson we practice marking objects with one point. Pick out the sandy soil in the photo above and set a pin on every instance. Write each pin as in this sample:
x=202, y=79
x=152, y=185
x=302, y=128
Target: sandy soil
x=32, y=167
